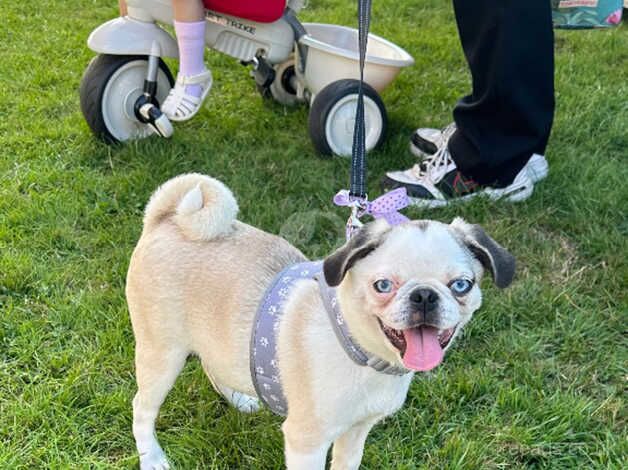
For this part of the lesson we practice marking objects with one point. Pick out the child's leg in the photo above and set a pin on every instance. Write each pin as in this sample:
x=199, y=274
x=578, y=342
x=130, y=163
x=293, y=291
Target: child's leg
x=188, y=10
x=193, y=80
x=189, y=26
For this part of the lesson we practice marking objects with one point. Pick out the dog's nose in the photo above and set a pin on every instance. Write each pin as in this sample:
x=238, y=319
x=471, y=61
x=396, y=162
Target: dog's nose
x=424, y=300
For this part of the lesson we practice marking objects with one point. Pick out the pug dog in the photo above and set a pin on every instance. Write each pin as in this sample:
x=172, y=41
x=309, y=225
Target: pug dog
x=197, y=276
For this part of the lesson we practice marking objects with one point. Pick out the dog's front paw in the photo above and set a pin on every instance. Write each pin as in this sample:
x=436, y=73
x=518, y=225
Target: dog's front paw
x=154, y=460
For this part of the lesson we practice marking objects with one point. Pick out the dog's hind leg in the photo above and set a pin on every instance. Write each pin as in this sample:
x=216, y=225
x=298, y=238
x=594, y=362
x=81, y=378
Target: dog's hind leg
x=156, y=371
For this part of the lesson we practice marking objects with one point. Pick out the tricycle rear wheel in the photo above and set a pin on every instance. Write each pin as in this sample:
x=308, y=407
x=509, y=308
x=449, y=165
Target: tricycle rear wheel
x=110, y=86
x=282, y=89
x=332, y=117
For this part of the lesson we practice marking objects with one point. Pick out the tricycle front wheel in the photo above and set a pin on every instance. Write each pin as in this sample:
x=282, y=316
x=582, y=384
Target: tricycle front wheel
x=332, y=117
x=109, y=89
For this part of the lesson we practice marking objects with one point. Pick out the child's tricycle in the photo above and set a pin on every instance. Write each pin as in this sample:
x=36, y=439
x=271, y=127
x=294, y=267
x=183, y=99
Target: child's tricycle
x=291, y=62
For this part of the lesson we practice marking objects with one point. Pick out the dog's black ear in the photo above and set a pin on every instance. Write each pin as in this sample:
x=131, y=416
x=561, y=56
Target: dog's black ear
x=360, y=245
x=491, y=254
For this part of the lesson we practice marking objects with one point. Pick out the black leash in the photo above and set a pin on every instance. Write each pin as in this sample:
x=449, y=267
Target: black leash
x=356, y=198
x=357, y=188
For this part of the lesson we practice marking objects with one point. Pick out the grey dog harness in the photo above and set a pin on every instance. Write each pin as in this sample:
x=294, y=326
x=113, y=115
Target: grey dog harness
x=263, y=357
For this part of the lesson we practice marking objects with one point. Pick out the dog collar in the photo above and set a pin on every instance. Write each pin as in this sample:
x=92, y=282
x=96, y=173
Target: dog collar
x=263, y=351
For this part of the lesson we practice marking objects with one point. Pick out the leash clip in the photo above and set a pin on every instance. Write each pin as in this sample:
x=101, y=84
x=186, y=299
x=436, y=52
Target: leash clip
x=353, y=222
x=358, y=205
x=385, y=207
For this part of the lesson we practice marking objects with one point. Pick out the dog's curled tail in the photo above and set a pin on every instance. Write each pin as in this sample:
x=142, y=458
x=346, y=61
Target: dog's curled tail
x=202, y=207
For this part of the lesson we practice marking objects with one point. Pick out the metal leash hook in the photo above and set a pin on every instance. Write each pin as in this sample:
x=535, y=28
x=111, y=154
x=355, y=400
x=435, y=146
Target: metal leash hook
x=385, y=207
x=358, y=207
x=353, y=222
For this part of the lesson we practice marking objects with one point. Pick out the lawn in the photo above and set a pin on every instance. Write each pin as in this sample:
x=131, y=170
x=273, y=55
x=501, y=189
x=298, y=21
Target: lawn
x=538, y=379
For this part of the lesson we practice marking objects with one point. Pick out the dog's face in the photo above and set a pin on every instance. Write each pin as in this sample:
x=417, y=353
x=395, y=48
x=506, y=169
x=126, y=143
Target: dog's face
x=413, y=287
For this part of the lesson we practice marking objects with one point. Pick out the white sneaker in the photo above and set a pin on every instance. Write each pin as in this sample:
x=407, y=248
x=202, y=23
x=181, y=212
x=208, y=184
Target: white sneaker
x=425, y=142
x=437, y=182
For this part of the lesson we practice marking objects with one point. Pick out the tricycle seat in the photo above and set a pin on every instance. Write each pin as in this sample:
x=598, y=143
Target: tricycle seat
x=263, y=11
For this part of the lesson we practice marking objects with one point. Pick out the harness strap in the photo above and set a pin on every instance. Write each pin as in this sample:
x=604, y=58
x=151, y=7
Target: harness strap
x=330, y=302
x=263, y=350
x=353, y=350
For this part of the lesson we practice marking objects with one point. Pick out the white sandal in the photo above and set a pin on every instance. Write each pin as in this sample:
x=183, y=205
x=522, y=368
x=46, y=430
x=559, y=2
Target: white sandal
x=181, y=106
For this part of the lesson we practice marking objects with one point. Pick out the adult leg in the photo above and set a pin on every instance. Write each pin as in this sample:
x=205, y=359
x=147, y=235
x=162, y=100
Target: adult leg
x=495, y=149
x=508, y=115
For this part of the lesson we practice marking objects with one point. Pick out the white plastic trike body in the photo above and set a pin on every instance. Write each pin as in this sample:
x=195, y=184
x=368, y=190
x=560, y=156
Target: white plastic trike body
x=291, y=62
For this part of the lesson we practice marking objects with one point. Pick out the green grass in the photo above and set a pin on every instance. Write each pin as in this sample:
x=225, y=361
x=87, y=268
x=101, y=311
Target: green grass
x=538, y=379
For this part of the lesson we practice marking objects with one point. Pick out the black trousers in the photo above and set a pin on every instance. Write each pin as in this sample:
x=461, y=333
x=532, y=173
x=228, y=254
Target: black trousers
x=509, y=45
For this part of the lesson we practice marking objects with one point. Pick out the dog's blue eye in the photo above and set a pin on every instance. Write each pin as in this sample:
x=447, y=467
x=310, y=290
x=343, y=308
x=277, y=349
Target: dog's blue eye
x=460, y=286
x=383, y=286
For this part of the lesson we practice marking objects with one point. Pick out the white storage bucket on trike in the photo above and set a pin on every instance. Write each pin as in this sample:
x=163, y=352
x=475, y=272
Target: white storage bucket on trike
x=331, y=76
x=333, y=55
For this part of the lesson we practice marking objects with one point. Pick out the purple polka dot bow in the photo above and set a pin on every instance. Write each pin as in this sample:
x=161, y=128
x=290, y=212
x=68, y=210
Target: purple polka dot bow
x=384, y=207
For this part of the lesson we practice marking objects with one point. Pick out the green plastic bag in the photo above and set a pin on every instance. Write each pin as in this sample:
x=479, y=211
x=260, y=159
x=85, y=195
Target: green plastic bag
x=586, y=13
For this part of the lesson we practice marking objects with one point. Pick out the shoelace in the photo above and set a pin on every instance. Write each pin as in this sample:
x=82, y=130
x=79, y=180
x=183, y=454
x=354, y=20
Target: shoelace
x=433, y=166
x=446, y=133
x=434, y=161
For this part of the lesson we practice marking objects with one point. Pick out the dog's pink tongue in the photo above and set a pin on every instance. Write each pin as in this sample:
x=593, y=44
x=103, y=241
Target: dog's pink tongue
x=423, y=351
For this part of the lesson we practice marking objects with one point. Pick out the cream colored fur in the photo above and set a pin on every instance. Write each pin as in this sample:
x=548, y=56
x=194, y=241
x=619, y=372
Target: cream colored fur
x=194, y=283
x=202, y=207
